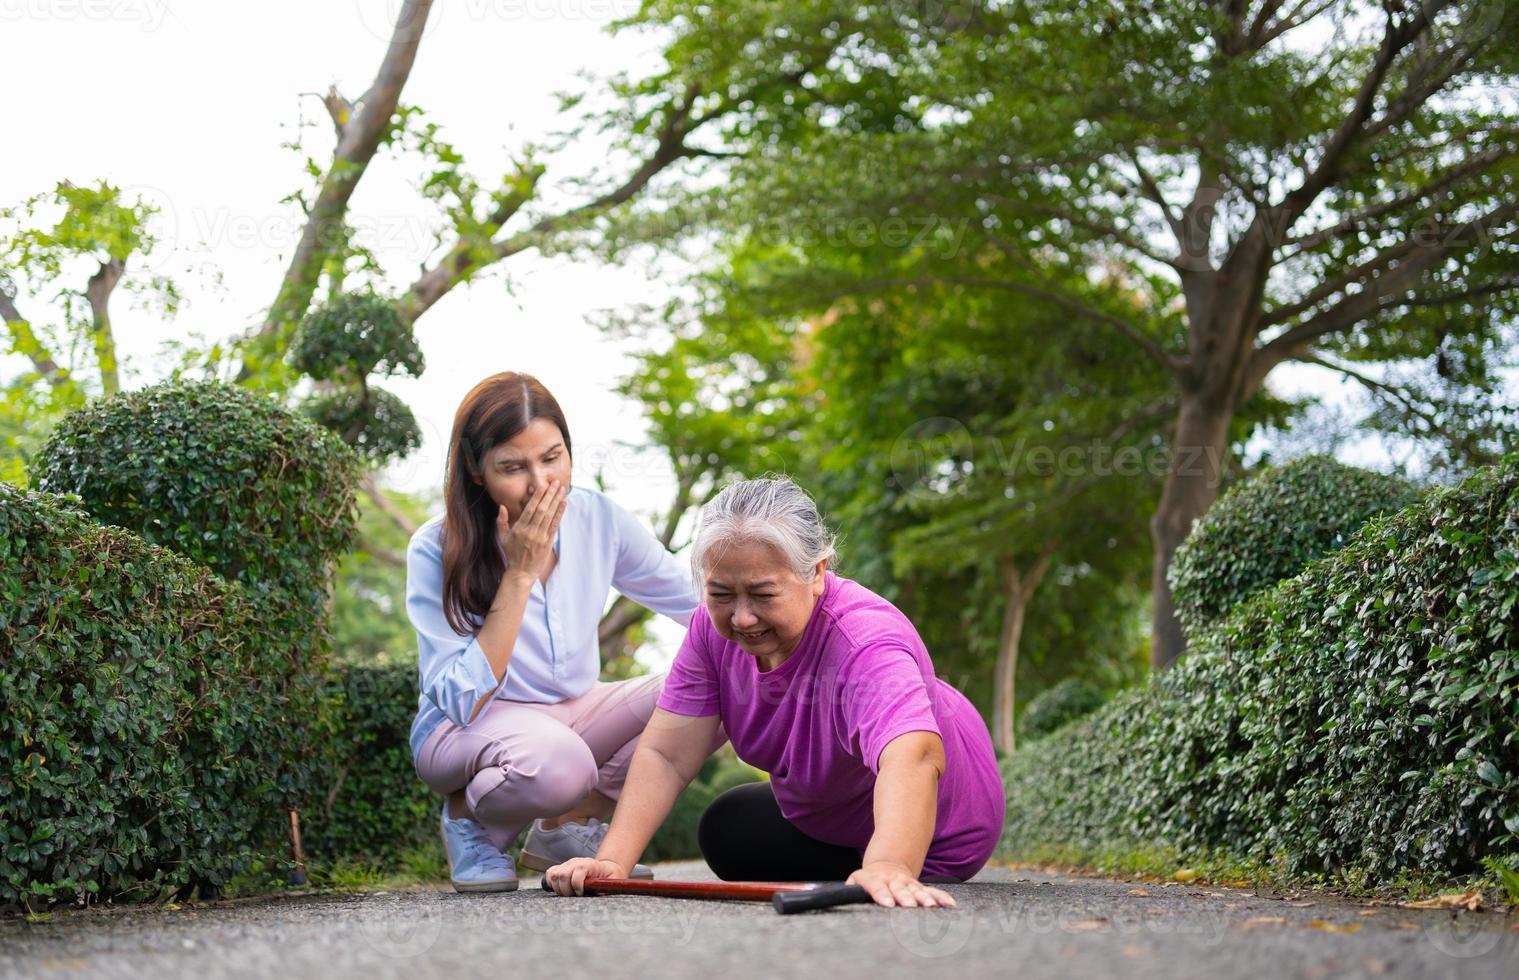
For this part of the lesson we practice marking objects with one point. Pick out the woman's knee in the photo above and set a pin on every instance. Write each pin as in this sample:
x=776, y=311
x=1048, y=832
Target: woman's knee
x=549, y=780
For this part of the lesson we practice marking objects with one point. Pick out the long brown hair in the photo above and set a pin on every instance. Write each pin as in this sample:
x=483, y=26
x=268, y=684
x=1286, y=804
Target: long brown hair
x=494, y=411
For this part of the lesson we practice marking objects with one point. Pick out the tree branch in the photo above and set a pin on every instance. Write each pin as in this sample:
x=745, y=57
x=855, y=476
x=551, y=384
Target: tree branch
x=1395, y=39
x=1262, y=34
x=1417, y=258
x=372, y=490
x=1352, y=223
x=24, y=341
x=361, y=138
x=1101, y=228
x=678, y=123
x=1399, y=394
x=467, y=258
x=1152, y=191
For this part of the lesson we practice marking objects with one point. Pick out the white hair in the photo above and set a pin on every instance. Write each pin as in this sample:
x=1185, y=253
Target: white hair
x=773, y=510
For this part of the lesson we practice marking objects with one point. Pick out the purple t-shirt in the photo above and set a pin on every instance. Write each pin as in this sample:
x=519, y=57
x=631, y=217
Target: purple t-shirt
x=859, y=677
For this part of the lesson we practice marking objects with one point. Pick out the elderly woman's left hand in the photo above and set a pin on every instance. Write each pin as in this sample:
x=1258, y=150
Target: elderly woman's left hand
x=893, y=884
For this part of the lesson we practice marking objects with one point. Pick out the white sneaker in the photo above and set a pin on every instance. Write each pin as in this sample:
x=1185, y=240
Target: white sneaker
x=475, y=865
x=545, y=848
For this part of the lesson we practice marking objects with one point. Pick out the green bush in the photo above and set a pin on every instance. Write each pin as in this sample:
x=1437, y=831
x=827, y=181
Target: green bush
x=1358, y=717
x=164, y=677
x=1269, y=527
x=343, y=342
x=1059, y=705
x=227, y=478
x=373, y=808
x=353, y=336
x=153, y=731
x=375, y=423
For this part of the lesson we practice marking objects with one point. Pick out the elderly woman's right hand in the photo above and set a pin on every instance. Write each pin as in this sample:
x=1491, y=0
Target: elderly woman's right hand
x=528, y=545
x=569, y=878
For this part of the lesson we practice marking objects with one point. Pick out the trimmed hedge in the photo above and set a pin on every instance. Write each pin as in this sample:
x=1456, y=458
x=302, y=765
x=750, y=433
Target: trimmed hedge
x=164, y=697
x=1358, y=716
x=353, y=336
x=373, y=808
x=1059, y=705
x=1267, y=528
x=150, y=735
x=228, y=478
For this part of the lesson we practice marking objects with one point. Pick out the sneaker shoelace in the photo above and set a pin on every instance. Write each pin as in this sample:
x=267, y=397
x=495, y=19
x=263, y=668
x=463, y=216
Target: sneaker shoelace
x=591, y=833
x=478, y=849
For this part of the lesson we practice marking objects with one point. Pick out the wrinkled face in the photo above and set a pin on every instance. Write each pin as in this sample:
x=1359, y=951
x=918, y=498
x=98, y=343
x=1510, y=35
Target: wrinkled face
x=757, y=601
x=514, y=470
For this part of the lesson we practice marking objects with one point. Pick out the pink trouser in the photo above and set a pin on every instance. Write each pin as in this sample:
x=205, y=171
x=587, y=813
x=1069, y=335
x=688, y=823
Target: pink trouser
x=518, y=760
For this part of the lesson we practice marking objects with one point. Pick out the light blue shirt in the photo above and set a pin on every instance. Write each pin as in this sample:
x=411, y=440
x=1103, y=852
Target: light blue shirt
x=557, y=655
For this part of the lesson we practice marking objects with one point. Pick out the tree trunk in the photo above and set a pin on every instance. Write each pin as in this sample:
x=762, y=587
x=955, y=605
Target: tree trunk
x=98, y=293
x=1192, y=484
x=1017, y=588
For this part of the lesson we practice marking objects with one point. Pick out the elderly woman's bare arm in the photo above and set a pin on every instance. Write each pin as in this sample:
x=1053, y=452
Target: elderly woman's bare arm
x=906, y=803
x=670, y=753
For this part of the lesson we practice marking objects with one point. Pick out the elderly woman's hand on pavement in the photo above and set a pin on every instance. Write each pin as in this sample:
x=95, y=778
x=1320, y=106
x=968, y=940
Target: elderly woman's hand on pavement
x=892, y=884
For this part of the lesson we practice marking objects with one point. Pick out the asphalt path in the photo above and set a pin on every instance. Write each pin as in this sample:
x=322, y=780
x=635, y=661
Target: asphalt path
x=1010, y=922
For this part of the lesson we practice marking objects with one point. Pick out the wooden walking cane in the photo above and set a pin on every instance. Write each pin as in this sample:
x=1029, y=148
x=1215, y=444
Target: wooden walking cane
x=787, y=897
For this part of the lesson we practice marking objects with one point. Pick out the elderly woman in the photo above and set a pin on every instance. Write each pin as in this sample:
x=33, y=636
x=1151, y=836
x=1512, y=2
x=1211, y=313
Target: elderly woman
x=880, y=773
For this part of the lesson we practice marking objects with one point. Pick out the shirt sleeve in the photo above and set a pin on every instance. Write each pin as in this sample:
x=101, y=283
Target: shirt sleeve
x=455, y=673
x=647, y=573
x=691, y=686
x=885, y=696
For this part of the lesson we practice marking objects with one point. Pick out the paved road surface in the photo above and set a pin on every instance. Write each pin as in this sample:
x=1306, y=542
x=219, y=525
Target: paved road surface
x=1011, y=922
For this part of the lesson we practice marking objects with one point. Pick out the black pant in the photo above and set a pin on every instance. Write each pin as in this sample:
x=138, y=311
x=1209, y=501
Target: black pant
x=744, y=838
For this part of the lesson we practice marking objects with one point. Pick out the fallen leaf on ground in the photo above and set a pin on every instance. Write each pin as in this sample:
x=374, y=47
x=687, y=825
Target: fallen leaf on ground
x=1471, y=901
x=1367, y=912
x=1263, y=920
x=1334, y=927
x=1301, y=905
x=1185, y=874
x=1138, y=893
x=1242, y=883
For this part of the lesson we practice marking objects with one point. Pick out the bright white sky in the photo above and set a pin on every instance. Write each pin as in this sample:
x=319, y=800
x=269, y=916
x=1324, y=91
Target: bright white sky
x=186, y=103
